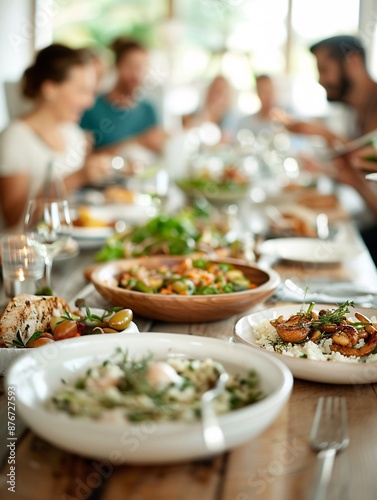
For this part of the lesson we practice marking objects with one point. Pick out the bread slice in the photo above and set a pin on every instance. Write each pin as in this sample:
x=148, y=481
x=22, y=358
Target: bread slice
x=28, y=314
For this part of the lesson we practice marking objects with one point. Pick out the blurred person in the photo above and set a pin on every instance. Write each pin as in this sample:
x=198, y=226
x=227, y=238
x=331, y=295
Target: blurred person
x=312, y=128
x=350, y=170
x=341, y=63
x=269, y=115
x=121, y=117
x=216, y=108
x=263, y=118
x=342, y=70
x=61, y=83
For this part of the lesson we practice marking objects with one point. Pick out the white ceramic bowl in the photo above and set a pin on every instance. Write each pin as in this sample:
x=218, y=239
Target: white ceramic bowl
x=8, y=354
x=38, y=375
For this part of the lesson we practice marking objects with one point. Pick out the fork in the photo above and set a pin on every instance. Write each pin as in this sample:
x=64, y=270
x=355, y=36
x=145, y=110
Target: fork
x=212, y=432
x=329, y=435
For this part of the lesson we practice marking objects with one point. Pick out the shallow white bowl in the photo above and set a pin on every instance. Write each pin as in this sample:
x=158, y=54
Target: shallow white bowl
x=328, y=372
x=8, y=354
x=38, y=375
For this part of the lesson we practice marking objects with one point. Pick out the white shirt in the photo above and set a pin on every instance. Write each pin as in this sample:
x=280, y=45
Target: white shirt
x=22, y=151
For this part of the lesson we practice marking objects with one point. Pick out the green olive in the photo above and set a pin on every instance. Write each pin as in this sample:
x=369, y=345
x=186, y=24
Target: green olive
x=121, y=319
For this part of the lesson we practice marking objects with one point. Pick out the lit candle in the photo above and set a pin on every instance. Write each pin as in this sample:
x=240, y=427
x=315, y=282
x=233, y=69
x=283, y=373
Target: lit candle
x=20, y=275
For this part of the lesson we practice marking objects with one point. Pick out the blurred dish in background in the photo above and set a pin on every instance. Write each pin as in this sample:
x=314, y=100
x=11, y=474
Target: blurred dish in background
x=292, y=220
x=119, y=194
x=309, y=197
x=92, y=225
x=218, y=174
x=229, y=185
x=309, y=250
x=187, y=232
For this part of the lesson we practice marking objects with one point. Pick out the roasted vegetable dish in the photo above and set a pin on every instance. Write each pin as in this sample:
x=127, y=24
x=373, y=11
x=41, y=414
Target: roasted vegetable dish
x=31, y=321
x=190, y=277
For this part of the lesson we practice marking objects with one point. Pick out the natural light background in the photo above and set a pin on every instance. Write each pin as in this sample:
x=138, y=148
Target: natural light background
x=192, y=41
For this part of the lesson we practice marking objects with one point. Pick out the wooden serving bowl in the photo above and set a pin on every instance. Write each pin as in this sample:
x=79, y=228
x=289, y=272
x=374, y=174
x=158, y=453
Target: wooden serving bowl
x=182, y=308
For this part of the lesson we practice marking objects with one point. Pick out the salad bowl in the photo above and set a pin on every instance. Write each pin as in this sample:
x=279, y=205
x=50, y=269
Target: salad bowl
x=183, y=308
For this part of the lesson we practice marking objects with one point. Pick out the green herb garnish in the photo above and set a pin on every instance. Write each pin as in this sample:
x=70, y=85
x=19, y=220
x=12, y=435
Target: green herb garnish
x=19, y=343
x=334, y=316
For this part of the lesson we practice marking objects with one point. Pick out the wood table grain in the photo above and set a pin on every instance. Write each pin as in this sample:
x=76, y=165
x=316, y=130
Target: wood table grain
x=277, y=465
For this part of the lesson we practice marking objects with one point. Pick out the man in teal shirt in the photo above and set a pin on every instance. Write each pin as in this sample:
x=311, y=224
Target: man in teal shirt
x=122, y=116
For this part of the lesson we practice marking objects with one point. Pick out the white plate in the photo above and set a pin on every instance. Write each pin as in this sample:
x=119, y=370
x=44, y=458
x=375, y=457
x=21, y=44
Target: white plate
x=8, y=354
x=329, y=372
x=38, y=375
x=93, y=237
x=310, y=250
x=91, y=233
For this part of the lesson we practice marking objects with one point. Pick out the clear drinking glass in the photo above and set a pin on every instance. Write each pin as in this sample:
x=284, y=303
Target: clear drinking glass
x=49, y=221
x=23, y=262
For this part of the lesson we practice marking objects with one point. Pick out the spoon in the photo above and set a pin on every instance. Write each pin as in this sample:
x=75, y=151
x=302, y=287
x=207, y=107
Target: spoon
x=212, y=432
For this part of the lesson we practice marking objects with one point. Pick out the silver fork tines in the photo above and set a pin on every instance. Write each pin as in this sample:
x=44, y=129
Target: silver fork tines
x=329, y=435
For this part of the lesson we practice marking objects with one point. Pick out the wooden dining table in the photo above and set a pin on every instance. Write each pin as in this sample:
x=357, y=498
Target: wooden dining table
x=277, y=465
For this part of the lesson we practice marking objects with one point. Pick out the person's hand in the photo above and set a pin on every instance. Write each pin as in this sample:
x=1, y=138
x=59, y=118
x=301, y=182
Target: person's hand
x=310, y=164
x=153, y=138
x=97, y=168
x=364, y=159
x=305, y=128
x=347, y=174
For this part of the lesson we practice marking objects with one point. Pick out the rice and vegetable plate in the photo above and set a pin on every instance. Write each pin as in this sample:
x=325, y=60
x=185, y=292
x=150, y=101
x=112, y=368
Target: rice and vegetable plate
x=325, y=335
x=121, y=389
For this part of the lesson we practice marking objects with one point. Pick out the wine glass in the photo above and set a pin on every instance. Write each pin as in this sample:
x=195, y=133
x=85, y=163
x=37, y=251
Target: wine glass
x=49, y=221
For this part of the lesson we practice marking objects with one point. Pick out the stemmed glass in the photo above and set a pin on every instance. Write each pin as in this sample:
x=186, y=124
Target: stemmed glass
x=49, y=221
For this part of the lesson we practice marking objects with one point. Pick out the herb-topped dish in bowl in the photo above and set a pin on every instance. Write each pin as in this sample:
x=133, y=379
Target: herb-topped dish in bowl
x=100, y=390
